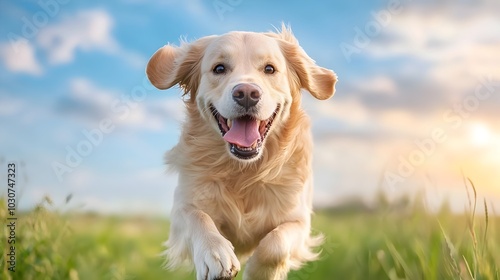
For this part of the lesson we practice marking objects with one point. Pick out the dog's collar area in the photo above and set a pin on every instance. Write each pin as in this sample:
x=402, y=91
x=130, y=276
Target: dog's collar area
x=244, y=148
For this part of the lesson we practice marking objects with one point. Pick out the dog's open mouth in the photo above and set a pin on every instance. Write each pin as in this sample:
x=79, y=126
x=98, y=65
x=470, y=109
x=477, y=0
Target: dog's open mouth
x=244, y=134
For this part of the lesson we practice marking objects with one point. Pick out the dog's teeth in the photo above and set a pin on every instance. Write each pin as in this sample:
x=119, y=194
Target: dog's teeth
x=229, y=123
x=254, y=145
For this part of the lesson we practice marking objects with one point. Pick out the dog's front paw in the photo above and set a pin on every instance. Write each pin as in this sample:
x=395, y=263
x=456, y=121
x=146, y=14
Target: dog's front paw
x=214, y=259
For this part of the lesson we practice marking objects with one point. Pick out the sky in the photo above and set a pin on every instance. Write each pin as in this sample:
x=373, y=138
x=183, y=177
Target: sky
x=416, y=108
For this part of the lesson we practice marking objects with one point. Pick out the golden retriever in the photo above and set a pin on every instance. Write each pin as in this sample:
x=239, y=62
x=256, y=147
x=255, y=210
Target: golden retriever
x=244, y=155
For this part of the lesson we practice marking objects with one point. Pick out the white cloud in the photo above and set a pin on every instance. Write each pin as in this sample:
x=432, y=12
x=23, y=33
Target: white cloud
x=154, y=115
x=91, y=103
x=87, y=30
x=84, y=89
x=348, y=110
x=20, y=56
x=379, y=84
x=432, y=36
x=458, y=47
x=86, y=102
x=139, y=117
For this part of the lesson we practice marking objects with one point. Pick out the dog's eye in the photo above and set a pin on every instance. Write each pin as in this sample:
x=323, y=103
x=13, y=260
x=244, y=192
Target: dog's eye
x=219, y=69
x=269, y=69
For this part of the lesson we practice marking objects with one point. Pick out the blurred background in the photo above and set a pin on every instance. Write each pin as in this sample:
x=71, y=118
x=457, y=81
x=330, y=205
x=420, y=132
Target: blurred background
x=416, y=107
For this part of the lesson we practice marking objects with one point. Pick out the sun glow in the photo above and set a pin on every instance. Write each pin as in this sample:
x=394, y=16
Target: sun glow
x=480, y=135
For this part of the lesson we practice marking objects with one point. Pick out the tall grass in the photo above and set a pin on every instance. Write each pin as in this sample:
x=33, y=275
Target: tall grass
x=392, y=241
x=42, y=239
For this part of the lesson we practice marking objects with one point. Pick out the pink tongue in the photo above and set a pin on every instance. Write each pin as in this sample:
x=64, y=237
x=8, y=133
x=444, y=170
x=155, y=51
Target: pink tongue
x=244, y=132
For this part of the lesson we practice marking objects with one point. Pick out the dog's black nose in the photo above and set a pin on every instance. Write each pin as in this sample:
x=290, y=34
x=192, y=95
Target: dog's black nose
x=247, y=95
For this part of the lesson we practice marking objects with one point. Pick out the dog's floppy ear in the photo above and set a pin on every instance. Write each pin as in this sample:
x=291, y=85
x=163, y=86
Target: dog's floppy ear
x=163, y=66
x=319, y=81
x=172, y=65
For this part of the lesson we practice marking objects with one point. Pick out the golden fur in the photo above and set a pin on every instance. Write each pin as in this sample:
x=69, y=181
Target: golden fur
x=226, y=209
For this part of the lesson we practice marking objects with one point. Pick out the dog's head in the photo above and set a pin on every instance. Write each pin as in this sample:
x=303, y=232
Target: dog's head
x=243, y=83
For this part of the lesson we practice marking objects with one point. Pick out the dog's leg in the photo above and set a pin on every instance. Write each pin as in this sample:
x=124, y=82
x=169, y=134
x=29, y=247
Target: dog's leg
x=212, y=254
x=272, y=257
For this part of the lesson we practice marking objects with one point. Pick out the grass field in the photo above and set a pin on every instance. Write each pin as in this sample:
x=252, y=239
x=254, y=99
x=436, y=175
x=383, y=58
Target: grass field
x=389, y=242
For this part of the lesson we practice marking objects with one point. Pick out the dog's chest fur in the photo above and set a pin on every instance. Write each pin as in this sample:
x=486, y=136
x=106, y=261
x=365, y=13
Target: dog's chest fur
x=244, y=216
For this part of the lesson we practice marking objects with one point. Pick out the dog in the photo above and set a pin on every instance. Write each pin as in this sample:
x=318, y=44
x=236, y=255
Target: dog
x=244, y=155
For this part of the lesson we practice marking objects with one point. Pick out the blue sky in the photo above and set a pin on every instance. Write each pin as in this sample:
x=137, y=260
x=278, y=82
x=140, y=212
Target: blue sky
x=413, y=68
